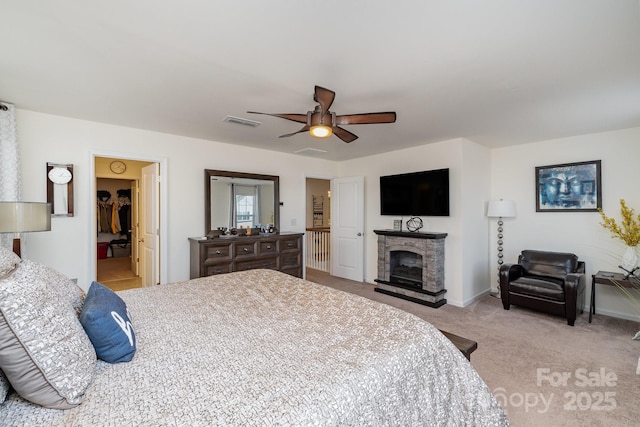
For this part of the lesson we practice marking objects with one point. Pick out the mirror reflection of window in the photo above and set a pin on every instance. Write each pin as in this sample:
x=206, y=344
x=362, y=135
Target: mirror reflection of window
x=244, y=208
x=244, y=205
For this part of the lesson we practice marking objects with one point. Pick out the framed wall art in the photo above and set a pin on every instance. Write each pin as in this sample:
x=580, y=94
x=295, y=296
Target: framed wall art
x=569, y=187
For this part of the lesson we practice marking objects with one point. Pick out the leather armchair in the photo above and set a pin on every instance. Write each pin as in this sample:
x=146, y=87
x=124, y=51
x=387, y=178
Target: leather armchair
x=553, y=282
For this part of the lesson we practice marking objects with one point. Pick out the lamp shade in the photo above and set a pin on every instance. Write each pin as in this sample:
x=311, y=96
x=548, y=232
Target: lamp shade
x=501, y=208
x=21, y=217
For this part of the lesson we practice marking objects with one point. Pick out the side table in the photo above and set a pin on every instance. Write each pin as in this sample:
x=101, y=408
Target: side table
x=611, y=279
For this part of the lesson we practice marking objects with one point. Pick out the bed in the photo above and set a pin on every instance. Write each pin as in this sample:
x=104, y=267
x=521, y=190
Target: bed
x=261, y=347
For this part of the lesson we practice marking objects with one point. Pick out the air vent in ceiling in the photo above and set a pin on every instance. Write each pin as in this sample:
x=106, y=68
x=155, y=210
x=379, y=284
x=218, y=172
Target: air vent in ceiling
x=241, y=121
x=310, y=151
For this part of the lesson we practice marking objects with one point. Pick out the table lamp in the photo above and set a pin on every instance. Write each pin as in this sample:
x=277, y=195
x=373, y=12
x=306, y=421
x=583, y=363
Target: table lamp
x=24, y=217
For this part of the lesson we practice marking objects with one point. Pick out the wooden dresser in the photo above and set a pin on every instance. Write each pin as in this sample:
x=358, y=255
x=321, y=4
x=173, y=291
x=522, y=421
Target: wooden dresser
x=280, y=251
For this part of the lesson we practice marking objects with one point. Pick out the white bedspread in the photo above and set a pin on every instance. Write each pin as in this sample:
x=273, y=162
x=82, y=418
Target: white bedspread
x=264, y=348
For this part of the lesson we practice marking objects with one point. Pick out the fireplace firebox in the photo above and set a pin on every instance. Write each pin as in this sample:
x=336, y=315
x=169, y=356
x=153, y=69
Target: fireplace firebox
x=411, y=266
x=406, y=268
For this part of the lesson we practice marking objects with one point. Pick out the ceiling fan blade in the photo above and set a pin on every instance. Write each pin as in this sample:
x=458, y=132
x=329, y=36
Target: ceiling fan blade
x=324, y=97
x=305, y=128
x=366, y=118
x=300, y=118
x=344, y=134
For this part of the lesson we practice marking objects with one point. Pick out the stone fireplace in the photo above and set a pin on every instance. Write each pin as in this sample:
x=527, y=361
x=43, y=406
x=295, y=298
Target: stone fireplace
x=411, y=266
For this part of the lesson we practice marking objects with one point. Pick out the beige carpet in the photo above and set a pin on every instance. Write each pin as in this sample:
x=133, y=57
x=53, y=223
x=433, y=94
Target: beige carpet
x=542, y=371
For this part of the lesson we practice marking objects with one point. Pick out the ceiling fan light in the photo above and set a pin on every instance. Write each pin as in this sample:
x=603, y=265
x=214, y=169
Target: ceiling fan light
x=320, y=131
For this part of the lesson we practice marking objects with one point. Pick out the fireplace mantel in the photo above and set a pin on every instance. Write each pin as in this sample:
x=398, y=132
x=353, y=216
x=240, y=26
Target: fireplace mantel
x=413, y=235
x=427, y=247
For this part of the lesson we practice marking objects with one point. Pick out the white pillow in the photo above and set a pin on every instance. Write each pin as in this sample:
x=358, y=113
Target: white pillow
x=44, y=351
x=61, y=284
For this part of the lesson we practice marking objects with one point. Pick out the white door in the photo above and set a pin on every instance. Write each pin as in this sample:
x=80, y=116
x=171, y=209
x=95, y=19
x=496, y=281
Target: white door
x=347, y=228
x=135, y=228
x=149, y=221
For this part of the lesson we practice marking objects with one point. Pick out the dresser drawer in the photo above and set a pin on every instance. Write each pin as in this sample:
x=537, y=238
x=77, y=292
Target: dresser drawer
x=220, y=268
x=268, y=247
x=243, y=249
x=294, y=271
x=270, y=263
x=290, y=260
x=290, y=244
x=214, y=253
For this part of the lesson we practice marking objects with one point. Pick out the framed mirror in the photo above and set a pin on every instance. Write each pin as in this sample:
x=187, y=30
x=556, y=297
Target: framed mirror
x=237, y=199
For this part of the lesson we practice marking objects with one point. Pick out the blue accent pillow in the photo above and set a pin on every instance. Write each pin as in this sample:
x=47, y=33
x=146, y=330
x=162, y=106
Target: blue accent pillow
x=106, y=320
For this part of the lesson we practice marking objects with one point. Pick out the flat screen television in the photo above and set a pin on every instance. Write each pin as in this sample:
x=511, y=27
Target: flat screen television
x=423, y=193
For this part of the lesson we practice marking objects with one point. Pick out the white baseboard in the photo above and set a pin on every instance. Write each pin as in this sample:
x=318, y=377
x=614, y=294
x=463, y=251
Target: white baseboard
x=471, y=300
x=616, y=314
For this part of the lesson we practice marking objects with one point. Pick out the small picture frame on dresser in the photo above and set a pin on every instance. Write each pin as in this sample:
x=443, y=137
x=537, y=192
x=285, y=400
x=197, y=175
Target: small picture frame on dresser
x=397, y=225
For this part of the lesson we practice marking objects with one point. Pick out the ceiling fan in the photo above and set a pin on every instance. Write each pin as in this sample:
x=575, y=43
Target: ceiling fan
x=322, y=123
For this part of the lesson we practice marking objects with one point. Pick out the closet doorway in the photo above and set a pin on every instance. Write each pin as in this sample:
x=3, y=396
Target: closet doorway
x=118, y=209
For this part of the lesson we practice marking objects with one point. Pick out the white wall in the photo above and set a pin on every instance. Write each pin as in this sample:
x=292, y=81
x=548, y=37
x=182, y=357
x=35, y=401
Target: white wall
x=476, y=179
x=465, y=270
x=513, y=177
x=46, y=138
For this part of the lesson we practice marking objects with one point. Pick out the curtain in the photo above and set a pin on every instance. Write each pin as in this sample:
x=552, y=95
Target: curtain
x=232, y=206
x=256, y=206
x=10, y=177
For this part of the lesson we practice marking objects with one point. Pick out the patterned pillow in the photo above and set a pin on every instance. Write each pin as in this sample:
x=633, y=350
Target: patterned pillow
x=106, y=319
x=8, y=261
x=44, y=352
x=61, y=284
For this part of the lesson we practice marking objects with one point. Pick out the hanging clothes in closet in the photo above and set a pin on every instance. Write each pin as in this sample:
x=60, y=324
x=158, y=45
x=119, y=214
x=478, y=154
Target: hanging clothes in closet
x=104, y=223
x=114, y=215
x=124, y=212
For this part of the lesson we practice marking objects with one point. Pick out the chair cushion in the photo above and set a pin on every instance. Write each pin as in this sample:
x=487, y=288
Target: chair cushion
x=548, y=264
x=540, y=287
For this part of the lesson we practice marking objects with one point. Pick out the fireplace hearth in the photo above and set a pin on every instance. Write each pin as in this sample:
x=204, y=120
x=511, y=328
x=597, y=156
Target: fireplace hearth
x=411, y=266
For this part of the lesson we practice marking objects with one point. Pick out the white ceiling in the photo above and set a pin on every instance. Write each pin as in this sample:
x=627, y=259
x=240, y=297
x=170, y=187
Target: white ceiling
x=498, y=72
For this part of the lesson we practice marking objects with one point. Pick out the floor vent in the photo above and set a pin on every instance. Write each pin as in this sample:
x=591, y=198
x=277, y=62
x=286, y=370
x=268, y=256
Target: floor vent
x=241, y=121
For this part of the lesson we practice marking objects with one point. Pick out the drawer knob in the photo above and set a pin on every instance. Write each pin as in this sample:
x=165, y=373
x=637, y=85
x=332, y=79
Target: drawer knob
x=218, y=252
x=290, y=244
x=245, y=249
x=268, y=246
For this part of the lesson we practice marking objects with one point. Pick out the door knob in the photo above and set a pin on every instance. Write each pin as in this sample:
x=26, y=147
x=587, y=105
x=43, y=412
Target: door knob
x=359, y=234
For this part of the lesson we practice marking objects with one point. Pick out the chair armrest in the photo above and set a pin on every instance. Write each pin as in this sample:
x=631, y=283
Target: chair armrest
x=574, y=285
x=512, y=271
x=507, y=273
x=574, y=281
